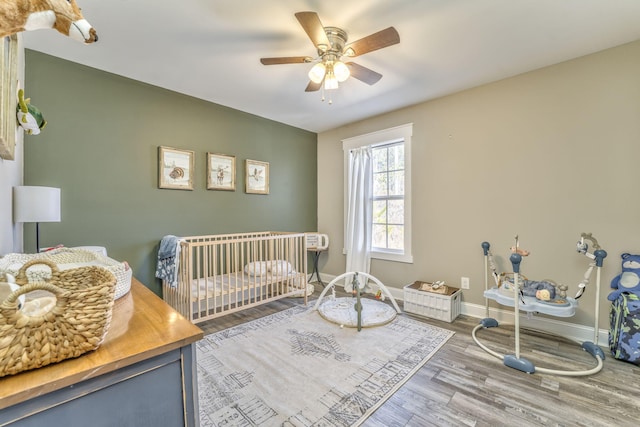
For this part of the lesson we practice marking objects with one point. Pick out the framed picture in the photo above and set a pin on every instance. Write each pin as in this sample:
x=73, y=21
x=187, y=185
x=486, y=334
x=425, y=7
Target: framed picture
x=221, y=172
x=256, y=177
x=8, y=95
x=175, y=168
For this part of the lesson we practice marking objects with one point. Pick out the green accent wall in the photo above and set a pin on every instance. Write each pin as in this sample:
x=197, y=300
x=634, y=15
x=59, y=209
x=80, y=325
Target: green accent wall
x=100, y=147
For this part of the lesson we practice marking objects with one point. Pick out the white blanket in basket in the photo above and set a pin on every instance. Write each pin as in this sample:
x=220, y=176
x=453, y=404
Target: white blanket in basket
x=65, y=259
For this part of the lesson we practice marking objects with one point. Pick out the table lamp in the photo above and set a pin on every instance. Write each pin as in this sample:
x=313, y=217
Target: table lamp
x=36, y=204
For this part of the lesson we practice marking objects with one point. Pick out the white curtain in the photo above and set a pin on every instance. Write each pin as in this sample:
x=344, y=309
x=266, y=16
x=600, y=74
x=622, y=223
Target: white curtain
x=360, y=189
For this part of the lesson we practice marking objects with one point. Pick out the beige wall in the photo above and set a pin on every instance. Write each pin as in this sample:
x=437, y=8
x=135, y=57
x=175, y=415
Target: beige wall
x=545, y=155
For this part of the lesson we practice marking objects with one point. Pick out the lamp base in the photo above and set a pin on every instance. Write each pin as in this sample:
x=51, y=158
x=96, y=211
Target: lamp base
x=37, y=237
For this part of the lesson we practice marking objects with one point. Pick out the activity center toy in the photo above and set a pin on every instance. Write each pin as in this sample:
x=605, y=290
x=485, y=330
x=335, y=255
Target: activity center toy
x=513, y=294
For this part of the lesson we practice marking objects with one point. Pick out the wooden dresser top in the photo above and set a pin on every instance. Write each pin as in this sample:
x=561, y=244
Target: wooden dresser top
x=142, y=326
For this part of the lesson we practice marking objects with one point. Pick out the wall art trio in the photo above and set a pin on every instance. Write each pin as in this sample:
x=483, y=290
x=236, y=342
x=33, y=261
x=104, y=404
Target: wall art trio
x=176, y=171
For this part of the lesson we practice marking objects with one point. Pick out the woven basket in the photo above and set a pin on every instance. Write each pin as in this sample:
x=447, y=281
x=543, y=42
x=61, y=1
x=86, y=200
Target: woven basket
x=76, y=324
x=67, y=258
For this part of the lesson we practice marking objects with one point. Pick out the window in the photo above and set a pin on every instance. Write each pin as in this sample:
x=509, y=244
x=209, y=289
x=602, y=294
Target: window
x=388, y=197
x=391, y=201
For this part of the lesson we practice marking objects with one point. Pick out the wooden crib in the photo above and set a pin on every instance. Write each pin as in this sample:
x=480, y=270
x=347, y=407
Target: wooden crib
x=222, y=274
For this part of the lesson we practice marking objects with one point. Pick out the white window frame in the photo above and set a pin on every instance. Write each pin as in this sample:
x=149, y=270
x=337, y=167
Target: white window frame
x=403, y=134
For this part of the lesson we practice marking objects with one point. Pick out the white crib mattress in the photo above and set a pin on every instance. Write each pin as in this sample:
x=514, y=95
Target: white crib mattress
x=216, y=286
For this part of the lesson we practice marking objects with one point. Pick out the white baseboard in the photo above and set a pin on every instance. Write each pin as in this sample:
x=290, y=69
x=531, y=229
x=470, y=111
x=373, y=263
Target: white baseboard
x=571, y=331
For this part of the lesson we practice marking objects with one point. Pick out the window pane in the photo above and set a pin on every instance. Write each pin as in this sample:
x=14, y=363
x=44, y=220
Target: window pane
x=379, y=238
x=380, y=212
x=396, y=212
x=380, y=187
x=396, y=237
x=396, y=183
x=388, y=181
x=396, y=157
x=379, y=159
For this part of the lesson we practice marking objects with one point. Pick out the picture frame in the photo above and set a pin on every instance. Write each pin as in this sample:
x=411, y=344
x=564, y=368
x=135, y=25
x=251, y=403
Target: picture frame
x=256, y=177
x=175, y=168
x=221, y=172
x=8, y=95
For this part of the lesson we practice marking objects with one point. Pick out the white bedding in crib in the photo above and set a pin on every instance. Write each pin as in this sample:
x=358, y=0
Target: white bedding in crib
x=264, y=268
x=225, y=284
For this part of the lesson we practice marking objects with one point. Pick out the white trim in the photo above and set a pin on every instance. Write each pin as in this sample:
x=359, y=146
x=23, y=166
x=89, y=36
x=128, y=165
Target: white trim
x=390, y=256
x=397, y=133
x=379, y=137
x=571, y=331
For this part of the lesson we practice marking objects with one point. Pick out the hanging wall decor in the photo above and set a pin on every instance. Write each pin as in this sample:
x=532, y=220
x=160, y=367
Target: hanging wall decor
x=221, y=172
x=175, y=168
x=256, y=177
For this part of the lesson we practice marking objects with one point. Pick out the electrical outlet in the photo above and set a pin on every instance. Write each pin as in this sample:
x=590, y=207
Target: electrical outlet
x=464, y=282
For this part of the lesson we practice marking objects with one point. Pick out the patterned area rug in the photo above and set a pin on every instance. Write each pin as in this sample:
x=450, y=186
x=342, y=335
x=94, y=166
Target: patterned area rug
x=294, y=368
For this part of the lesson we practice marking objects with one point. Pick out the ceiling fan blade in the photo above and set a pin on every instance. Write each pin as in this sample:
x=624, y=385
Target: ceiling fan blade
x=363, y=73
x=313, y=27
x=375, y=41
x=312, y=87
x=286, y=60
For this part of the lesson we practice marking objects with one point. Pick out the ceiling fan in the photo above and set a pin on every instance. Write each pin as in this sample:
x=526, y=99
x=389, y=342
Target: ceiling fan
x=331, y=43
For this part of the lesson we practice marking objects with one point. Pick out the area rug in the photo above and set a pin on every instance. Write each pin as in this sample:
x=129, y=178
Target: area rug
x=294, y=368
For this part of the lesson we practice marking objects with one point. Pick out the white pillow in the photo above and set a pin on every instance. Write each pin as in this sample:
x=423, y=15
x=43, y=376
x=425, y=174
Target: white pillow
x=258, y=268
x=280, y=267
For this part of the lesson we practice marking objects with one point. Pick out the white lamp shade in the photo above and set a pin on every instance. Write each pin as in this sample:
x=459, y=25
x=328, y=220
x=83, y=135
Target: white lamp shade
x=36, y=204
x=341, y=71
x=316, y=74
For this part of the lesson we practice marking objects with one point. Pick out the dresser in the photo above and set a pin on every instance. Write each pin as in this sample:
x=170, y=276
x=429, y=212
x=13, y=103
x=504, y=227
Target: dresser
x=143, y=374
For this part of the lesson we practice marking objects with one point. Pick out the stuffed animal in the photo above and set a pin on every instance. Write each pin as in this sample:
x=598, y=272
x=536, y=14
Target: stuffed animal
x=562, y=290
x=521, y=252
x=531, y=288
x=629, y=279
x=543, y=295
x=29, y=117
x=63, y=15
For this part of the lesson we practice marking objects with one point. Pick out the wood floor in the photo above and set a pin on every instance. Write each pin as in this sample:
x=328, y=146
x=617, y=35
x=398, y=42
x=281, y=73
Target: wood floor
x=462, y=385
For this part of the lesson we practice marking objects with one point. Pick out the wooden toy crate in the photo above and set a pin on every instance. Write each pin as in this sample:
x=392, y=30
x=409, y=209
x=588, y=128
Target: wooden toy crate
x=442, y=306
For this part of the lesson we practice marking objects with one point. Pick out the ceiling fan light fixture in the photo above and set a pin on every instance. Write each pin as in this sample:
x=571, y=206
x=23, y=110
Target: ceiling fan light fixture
x=331, y=44
x=330, y=81
x=317, y=72
x=341, y=71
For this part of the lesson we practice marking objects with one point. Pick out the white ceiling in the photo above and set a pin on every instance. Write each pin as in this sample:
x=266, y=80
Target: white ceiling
x=210, y=49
